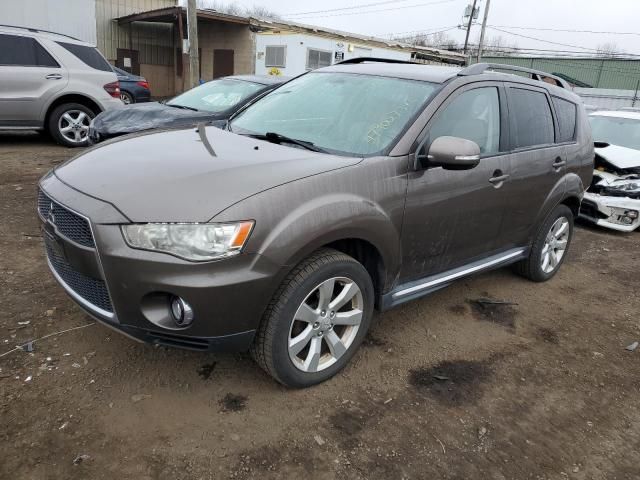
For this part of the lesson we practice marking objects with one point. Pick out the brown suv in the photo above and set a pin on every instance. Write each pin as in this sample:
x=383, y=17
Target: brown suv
x=353, y=187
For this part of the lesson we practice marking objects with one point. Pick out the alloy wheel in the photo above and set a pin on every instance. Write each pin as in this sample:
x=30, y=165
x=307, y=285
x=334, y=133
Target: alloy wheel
x=325, y=324
x=74, y=125
x=555, y=245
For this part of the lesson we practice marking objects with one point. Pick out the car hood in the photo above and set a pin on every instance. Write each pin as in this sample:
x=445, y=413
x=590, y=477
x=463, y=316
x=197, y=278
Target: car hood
x=145, y=116
x=172, y=176
x=620, y=157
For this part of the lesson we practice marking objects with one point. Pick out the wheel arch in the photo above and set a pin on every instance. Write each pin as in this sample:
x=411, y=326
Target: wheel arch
x=71, y=98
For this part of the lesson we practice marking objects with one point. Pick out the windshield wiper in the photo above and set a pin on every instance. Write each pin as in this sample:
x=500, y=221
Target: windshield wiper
x=184, y=107
x=274, y=137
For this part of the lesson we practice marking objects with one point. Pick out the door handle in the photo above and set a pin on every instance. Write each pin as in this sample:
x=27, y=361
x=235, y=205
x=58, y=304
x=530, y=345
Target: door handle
x=53, y=76
x=498, y=178
x=558, y=163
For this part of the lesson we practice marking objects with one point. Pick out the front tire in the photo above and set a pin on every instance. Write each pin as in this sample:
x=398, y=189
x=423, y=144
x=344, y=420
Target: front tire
x=316, y=320
x=69, y=124
x=550, y=246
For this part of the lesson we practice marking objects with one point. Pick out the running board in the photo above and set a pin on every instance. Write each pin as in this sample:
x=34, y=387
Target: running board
x=418, y=288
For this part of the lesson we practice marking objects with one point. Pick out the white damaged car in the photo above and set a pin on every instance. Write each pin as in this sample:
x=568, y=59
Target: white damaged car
x=613, y=198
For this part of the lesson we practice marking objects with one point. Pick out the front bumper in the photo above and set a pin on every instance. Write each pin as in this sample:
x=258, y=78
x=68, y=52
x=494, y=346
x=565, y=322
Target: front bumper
x=129, y=289
x=605, y=211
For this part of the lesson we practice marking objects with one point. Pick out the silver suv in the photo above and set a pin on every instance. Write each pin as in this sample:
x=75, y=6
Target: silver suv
x=53, y=82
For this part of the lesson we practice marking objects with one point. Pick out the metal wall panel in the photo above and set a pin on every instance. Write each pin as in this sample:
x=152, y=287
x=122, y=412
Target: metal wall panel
x=154, y=41
x=597, y=72
x=70, y=17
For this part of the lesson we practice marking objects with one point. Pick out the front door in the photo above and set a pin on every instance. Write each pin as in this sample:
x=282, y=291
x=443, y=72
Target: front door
x=29, y=78
x=454, y=217
x=223, y=63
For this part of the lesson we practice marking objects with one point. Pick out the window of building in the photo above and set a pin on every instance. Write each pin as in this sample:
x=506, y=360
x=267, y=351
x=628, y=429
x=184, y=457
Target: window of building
x=275, y=56
x=531, y=119
x=473, y=115
x=24, y=51
x=566, y=112
x=318, y=58
x=88, y=55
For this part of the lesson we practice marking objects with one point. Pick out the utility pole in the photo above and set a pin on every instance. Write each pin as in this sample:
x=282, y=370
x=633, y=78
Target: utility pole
x=466, y=40
x=192, y=29
x=484, y=27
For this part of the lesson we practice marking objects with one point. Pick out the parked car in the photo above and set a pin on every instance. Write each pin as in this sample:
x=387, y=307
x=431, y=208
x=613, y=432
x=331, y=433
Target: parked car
x=613, y=198
x=352, y=187
x=133, y=88
x=54, y=83
x=214, y=101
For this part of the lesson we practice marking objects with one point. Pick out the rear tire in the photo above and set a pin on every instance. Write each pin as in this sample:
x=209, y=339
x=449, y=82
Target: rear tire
x=127, y=98
x=550, y=246
x=69, y=124
x=307, y=333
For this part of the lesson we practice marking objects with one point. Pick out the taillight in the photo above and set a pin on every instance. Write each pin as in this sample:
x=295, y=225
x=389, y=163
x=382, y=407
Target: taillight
x=143, y=84
x=113, y=89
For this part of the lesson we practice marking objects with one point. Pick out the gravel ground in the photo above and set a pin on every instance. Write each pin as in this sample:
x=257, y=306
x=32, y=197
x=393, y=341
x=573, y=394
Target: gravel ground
x=542, y=388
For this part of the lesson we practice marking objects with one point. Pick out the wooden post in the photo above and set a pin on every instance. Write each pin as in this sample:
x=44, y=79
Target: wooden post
x=192, y=28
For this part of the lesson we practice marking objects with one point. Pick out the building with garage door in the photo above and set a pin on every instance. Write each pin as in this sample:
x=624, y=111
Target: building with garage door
x=145, y=37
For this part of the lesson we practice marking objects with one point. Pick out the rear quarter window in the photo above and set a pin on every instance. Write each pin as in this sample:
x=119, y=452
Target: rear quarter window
x=566, y=112
x=24, y=52
x=531, y=118
x=88, y=55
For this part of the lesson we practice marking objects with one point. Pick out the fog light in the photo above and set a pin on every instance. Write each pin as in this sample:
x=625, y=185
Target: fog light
x=631, y=213
x=181, y=311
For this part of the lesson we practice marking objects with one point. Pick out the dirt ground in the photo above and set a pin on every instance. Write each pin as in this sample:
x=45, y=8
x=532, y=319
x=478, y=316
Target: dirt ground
x=444, y=388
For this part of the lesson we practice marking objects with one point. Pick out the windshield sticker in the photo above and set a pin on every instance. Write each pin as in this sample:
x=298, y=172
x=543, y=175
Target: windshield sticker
x=375, y=132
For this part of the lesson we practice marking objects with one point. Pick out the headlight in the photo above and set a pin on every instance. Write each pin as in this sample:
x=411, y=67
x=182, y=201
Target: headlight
x=191, y=241
x=630, y=186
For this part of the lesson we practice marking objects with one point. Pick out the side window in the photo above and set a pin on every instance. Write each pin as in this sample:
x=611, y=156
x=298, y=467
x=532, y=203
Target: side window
x=317, y=59
x=24, y=52
x=88, y=55
x=531, y=119
x=473, y=115
x=275, y=56
x=566, y=112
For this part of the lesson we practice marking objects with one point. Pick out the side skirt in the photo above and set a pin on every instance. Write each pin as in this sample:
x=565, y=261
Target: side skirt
x=424, y=286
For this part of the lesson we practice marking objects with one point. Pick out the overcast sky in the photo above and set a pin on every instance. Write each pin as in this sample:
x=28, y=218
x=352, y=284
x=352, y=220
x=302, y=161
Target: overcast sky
x=388, y=17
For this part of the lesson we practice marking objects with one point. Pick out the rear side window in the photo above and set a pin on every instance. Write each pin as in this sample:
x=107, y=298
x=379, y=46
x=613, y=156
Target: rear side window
x=24, y=52
x=473, y=115
x=566, y=112
x=88, y=55
x=531, y=119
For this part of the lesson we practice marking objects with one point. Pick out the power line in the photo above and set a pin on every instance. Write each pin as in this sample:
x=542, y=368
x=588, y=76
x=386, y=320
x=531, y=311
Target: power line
x=375, y=11
x=546, y=41
x=419, y=32
x=566, y=30
x=344, y=8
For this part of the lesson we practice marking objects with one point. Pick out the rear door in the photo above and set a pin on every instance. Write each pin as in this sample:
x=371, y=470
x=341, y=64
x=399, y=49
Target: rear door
x=454, y=217
x=536, y=163
x=29, y=78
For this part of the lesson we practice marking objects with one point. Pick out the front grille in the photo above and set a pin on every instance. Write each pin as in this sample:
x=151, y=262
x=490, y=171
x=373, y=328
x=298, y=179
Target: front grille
x=92, y=290
x=71, y=225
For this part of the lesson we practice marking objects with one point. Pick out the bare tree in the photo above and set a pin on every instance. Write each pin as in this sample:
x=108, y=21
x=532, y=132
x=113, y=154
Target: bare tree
x=609, y=49
x=496, y=45
x=436, y=40
x=232, y=8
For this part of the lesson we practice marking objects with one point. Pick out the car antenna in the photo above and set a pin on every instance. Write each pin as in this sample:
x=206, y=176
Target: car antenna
x=203, y=136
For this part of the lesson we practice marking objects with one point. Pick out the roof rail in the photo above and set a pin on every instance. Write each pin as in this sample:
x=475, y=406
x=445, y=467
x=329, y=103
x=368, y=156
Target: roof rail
x=479, y=68
x=39, y=30
x=357, y=60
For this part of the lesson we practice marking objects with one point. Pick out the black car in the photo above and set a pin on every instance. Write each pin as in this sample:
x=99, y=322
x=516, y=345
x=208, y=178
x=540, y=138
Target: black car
x=133, y=88
x=212, y=101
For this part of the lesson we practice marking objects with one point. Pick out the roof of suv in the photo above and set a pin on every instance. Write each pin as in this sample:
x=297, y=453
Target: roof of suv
x=427, y=73
x=35, y=32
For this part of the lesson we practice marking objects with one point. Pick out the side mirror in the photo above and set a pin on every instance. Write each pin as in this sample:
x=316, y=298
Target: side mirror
x=452, y=153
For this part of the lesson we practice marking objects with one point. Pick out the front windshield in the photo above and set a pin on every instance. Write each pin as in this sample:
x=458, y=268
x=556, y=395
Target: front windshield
x=624, y=132
x=340, y=112
x=217, y=95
